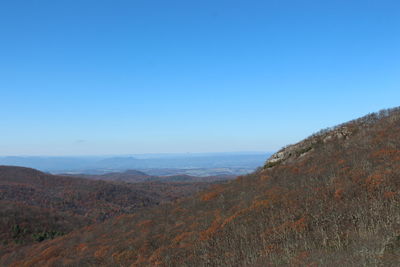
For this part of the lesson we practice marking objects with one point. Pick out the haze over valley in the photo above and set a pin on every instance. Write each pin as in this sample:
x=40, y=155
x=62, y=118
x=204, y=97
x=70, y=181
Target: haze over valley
x=197, y=164
x=205, y=133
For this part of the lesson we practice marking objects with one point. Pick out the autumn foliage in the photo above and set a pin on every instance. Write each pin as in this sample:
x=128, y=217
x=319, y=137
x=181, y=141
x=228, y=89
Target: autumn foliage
x=35, y=206
x=336, y=201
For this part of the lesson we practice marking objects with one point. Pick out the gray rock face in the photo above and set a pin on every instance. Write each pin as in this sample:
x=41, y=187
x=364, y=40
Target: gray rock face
x=277, y=157
x=300, y=149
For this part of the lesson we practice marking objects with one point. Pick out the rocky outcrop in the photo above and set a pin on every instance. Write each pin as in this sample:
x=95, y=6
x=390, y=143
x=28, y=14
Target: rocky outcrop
x=300, y=149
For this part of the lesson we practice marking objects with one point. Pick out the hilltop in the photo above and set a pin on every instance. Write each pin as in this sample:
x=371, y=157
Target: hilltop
x=330, y=199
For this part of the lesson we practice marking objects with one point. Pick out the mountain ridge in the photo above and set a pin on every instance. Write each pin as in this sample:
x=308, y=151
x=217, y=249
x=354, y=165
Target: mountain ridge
x=333, y=203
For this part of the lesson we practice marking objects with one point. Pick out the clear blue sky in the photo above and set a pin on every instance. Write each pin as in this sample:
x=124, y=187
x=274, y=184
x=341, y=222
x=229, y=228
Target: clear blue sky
x=94, y=77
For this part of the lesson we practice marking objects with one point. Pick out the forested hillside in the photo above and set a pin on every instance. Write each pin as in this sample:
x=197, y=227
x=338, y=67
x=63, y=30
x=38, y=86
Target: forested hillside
x=133, y=176
x=331, y=199
x=36, y=206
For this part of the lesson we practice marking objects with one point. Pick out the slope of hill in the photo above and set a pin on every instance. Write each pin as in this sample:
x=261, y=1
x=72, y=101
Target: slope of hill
x=22, y=224
x=330, y=199
x=37, y=206
x=93, y=199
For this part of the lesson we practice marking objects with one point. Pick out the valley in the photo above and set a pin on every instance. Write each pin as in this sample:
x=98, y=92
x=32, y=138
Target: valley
x=329, y=199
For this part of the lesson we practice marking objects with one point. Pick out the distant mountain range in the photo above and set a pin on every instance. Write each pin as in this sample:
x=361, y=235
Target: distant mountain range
x=220, y=163
x=329, y=200
x=133, y=176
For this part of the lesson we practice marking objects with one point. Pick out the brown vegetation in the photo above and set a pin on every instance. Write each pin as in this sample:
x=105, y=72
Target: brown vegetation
x=334, y=203
x=36, y=206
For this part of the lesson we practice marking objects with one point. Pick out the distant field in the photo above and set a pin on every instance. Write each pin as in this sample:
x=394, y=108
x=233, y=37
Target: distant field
x=154, y=164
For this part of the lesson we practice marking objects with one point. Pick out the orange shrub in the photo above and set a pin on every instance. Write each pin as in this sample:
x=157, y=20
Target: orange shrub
x=260, y=204
x=338, y=193
x=216, y=190
x=374, y=180
x=101, y=252
x=209, y=196
x=144, y=224
x=389, y=194
x=82, y=247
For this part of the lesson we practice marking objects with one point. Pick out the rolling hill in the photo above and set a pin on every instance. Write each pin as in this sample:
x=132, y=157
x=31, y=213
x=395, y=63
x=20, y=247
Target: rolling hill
x=330, y=199
x=36, y=206
x=134, y=176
